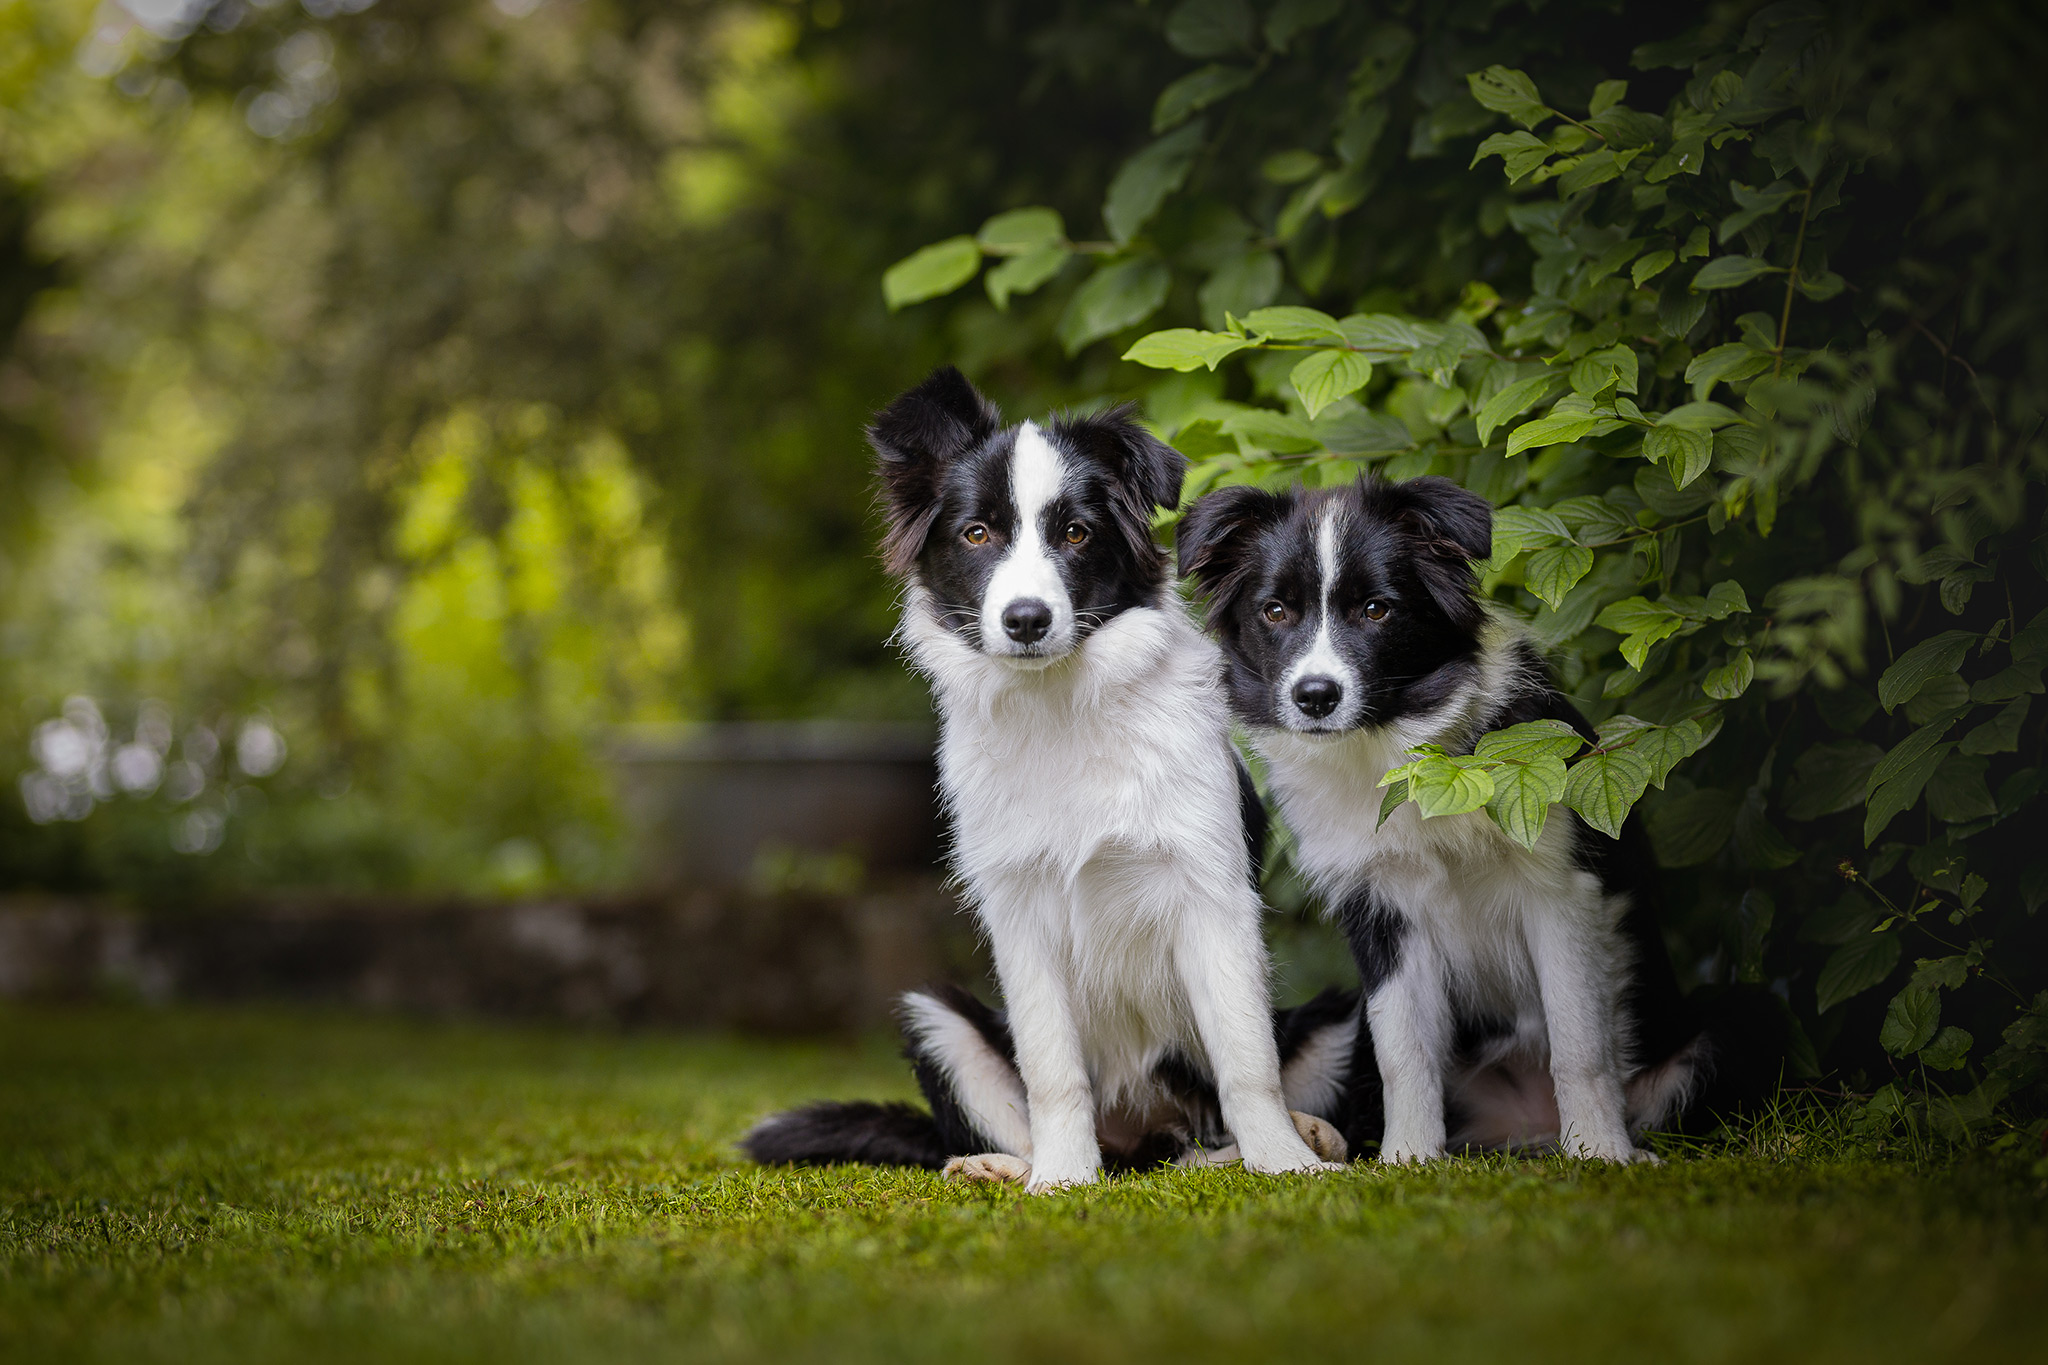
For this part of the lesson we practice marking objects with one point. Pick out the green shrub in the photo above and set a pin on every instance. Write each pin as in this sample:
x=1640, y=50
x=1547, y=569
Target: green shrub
x=1736, y=325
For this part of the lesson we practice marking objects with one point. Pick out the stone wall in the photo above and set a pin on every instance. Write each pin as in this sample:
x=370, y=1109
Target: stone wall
x=787, y=963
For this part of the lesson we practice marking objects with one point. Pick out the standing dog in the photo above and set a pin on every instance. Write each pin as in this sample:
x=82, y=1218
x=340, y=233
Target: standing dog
x=1100, y=820
x=1515, y=998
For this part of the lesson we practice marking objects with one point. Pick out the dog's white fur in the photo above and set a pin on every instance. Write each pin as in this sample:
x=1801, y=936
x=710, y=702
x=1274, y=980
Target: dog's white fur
x=1097, y=829
x=1526, y=935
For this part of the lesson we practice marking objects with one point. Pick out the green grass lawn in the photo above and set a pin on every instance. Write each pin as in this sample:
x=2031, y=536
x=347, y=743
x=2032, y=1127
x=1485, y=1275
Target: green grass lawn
x=278, y=1186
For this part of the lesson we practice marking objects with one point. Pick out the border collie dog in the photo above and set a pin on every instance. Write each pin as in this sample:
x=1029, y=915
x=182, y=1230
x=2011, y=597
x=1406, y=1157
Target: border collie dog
x=1515, y=998
x=1101, y=824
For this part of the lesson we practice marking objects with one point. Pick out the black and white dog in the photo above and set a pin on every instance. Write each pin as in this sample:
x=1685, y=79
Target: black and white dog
x=1101, y=824
x=1515, y=998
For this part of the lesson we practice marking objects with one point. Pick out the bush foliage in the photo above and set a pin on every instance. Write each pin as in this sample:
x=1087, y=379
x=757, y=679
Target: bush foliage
x=1735, y=322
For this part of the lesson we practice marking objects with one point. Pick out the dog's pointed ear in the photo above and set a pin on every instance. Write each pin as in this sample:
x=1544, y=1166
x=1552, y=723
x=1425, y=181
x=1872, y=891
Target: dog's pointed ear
x=914, y=438
x=1143, y=463
x=1450, y=514
x=1452, y=527
x=1216, y=536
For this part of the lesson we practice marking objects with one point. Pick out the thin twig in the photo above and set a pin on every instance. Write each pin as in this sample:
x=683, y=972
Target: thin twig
x=1791, y=281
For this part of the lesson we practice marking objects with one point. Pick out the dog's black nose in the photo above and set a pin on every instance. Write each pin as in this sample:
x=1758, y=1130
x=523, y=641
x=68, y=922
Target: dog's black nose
x=1318, y=696
x=1027, y=619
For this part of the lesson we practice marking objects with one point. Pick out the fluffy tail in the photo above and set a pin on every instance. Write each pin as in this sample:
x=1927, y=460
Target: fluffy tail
x=829, y=1134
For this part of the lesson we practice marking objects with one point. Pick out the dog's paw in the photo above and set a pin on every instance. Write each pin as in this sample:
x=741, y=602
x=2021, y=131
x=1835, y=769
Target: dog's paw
x=1409, y=1153
x=988, y=1168
x=1054, y=1183
x=1321, y=1136
x=1618, y=1150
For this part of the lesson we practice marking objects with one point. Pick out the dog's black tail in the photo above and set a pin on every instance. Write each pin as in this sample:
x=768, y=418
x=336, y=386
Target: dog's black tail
x=829, y=1134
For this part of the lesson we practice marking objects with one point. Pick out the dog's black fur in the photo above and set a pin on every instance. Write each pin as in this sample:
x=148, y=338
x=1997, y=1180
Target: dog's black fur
x=1404, y=627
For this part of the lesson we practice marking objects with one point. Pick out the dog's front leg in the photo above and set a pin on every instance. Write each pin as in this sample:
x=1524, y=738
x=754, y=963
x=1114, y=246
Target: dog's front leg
x=1410, y=1016
x=1221, y=959
x=1571, y=954
x=1064, y=1150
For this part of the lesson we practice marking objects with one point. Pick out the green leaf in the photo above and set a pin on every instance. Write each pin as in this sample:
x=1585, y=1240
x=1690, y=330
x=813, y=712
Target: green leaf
x=1195, y=92
x=1143, y=182
x=1184, y=348
x=1686, y=453
x=1603, y=788
x=1289, y=323
x=1912, y=748
x=1687, y=830
x=1821, y=287
x=1022, y=231
x=1726, y=364
x=1663, y=747
x=1700, y=417
x=1523, y=794
x=1957, y=792
x=1114, y=297
x=1910, y=1021
x=1726, y=272
x=1556, y=428
x=1209, y=28
x=931, y=271
x=1530, y=740
x=1378, y=332
x=2000, y=734
x=1508, y=92
x=1022, y=274
x=1649, y=267
x=1831, y=777
x=1948, y=1051
x=1614, y=367
x=1326, y=376
x=1941, y=653
x=1606, y=95
x=1724, y=599
x=1855, y=967
x=1731, y=679
x=1948, y=973
x=1291, y=167
x=1520, y=153
x=1514, y=400
x=1899, y=792
x=1643, y=622
x=1290, y=18
x=1441, y=786
x=1396, y=794
x=1553, y=572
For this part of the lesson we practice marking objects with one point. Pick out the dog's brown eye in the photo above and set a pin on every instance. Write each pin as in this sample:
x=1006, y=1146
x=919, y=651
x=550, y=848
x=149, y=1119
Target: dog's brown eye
x=976, y=534
x=1076, y=533
x=1276, y=611
x=1375, y=610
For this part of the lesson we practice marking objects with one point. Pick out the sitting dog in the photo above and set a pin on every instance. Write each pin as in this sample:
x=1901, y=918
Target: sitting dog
x=1515, y=998
x=1101, y=821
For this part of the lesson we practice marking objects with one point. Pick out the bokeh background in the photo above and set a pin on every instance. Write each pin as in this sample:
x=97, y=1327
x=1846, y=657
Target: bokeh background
x=399, y=398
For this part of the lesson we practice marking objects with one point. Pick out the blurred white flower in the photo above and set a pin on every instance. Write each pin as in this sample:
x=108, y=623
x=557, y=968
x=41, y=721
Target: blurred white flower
x=259, y=748
x=61, y=748
x=137, y=769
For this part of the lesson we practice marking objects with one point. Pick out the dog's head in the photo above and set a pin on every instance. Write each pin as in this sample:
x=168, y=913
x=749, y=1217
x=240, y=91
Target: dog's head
x=1025, y=539
x=1344, y=607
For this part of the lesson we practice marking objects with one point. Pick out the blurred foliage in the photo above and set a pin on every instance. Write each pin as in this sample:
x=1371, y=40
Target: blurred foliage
x=1745, y=346
x=448, y=381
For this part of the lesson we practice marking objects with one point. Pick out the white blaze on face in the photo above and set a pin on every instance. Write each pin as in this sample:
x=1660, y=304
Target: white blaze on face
x=1030, y=567
x=1323, y=659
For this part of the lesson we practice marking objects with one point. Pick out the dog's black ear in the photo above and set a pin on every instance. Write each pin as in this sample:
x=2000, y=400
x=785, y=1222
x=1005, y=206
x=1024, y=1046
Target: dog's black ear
x=914, y=438
x=1216, y=536
x=1451, y=527
x=1449, y=514
x=1141, y=462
